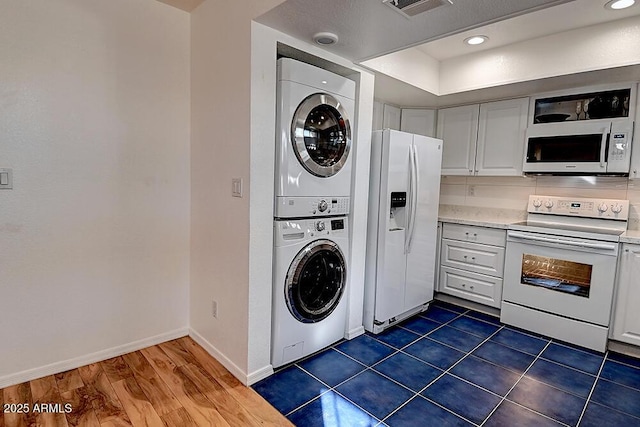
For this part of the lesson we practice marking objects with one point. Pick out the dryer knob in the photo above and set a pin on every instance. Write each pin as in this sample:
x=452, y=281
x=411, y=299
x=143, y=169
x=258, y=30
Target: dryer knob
x=320, y=225
x=322, y=205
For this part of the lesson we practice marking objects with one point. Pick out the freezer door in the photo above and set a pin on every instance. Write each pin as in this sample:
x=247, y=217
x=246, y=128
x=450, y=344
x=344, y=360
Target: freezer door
x=392, y=226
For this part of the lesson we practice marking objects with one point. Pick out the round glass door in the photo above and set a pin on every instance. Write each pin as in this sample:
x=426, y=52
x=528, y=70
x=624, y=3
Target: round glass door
x=321, y=135
x=315, y=281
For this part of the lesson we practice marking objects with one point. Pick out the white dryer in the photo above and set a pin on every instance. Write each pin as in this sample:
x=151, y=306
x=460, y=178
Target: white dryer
x=309, y=286
x=315, y=109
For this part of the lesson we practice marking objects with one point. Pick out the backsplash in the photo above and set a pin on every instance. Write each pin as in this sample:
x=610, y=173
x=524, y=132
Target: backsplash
x=506, y=198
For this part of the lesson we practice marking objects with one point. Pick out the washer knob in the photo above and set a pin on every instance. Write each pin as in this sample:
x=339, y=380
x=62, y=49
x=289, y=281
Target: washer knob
x=320, y=225
x=603, y=207
x=322, y=205
x=537, y=203
x=616, y=208
x=548, y=204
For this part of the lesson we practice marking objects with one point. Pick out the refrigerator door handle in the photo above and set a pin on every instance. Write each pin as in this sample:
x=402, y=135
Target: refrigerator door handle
x=414, y=187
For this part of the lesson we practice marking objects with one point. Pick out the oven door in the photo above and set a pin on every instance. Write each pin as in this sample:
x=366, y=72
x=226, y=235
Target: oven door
x=565, y=276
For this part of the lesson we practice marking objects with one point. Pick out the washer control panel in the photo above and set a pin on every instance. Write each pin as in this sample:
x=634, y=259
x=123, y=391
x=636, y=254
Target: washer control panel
x=303, y=207
x=579, y=207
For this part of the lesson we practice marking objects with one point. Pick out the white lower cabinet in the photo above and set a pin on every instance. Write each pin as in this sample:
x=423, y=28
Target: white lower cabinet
x=472, y=263
x=626, y=320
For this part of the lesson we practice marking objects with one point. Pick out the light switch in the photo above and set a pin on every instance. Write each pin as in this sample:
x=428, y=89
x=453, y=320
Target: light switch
x=6, y=179
x=236, y=187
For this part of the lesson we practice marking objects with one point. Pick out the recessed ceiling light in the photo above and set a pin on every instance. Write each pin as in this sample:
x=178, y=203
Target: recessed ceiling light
x=619, y=4
x=325, y=39
x=475, y=40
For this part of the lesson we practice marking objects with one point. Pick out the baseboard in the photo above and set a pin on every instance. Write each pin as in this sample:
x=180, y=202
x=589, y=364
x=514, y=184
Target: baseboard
x=260, y=374
x=355, y=332
x=65, y=365
x=220, y=357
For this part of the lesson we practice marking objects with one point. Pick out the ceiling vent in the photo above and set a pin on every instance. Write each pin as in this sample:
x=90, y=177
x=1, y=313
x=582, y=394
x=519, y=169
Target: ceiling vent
x=410, y=8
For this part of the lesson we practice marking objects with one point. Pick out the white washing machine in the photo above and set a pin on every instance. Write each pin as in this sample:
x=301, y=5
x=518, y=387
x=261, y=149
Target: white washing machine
x=309, y=286
x=315, y=109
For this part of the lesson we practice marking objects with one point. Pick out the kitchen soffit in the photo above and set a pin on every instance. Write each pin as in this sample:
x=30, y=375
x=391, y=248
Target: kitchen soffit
x=369, y=28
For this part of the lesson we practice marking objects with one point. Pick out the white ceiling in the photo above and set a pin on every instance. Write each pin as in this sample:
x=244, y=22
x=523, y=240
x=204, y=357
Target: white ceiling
x=564, y=17
x=369, y=28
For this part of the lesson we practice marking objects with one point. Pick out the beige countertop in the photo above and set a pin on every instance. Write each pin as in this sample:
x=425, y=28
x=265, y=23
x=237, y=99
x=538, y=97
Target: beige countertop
x=501, y=218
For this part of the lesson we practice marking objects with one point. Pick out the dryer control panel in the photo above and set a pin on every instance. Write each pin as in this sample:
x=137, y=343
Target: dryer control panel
x=305, y=207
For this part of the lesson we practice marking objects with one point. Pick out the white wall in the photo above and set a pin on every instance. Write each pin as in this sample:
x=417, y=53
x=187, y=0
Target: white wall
x=220, y=150
x=233, y=135
x=94, y=121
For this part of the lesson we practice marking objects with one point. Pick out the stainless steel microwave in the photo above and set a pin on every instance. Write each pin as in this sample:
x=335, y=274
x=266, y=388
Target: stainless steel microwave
x=591, y=147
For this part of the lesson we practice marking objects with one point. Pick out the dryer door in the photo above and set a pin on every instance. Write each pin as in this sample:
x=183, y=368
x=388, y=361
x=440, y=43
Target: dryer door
x=321, y=135
x=315, y=281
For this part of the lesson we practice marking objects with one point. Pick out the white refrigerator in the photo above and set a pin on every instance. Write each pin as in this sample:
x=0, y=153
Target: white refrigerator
x=404, y=191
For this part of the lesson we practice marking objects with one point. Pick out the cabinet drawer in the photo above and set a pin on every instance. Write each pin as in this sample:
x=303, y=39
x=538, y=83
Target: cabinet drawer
x=482, y=289
x=470, y=233
x=483, y=259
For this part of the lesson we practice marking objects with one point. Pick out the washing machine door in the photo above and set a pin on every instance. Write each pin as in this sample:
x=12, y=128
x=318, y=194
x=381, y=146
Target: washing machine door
x=321, y=135
x=315, y=281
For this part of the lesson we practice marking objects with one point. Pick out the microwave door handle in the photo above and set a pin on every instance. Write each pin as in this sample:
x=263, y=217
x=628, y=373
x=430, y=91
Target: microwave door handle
x=603, y=147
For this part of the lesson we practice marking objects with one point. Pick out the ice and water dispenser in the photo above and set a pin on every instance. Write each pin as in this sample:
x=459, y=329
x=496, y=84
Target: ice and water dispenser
x=397, y=216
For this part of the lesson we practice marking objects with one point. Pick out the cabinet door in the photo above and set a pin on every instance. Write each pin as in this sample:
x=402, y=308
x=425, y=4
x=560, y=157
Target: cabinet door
x=391, y=117
x=501, y=137
x=419, y=121
x=626, y=322
x=378, y=116
x=458, y=128
x=471, y=286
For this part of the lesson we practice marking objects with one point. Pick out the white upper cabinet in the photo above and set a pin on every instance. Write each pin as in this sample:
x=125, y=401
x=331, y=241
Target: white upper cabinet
x=419, y=121
x=378, y=115
x=501, y=137
x=391, y=117
x=385, y=116
x=458, y=128
x=485, y=139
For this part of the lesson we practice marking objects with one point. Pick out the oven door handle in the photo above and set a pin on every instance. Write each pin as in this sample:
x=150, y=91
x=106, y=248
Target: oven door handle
x=606, y=246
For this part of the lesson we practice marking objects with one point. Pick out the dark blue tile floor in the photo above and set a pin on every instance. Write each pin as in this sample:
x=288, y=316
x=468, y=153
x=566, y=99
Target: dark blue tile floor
x=450, y=366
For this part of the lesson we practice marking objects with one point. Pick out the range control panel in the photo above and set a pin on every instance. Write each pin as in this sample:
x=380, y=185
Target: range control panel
x=581, y=207
x=302, y=207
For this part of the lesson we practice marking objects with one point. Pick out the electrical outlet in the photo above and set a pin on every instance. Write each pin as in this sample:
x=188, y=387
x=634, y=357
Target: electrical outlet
x=214, y=309
x=471, y=190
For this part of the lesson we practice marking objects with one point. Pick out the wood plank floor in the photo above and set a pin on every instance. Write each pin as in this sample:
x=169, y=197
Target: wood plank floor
x=174, y=384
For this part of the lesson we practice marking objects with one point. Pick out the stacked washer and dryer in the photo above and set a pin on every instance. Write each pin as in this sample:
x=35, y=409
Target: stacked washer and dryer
x=312, y=198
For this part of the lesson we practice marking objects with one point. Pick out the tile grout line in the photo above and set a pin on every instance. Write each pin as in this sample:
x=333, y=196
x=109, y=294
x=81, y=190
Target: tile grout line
x=418, y=394
x=514, y=386
x=593, y=387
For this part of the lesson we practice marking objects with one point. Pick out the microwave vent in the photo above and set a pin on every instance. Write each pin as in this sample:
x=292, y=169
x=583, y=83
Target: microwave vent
x=410, y=8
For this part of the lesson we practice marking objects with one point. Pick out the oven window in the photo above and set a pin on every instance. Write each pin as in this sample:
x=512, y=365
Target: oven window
x=556, y=274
